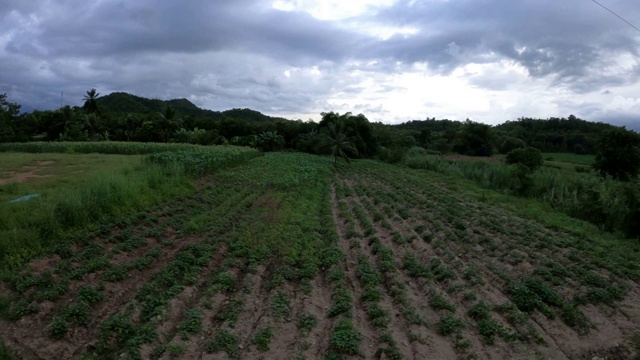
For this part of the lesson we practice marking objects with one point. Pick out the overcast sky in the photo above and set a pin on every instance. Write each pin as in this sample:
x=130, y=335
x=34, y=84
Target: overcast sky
x=392, y=60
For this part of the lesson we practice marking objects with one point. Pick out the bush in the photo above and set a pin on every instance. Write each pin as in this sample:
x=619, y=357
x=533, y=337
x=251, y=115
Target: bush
x=511, y=143
x=618, y=154
x=528, y=157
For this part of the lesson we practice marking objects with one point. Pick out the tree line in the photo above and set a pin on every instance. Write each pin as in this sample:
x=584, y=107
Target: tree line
x=126, y=117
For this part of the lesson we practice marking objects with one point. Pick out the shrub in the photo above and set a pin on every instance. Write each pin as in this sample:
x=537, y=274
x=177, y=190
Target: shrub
x=511, y=143
x=618, y=154
x=528, y=157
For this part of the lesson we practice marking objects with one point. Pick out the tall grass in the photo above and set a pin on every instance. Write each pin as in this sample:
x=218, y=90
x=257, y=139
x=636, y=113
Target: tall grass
x=29, y=229
x=202, y=160
x=612, y=205
x=106, y=147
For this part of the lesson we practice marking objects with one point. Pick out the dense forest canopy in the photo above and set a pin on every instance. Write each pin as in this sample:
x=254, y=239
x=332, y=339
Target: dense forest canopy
x=126, y=117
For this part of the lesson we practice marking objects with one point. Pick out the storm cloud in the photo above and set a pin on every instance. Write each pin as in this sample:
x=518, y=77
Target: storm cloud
x=488, y=60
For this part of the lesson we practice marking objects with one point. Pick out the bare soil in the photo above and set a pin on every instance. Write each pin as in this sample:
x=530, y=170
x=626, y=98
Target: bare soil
x=29, y=172
x=468, y=262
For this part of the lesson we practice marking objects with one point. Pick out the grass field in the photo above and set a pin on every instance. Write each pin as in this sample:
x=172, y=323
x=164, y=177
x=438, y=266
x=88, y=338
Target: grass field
x=284, y=256
x=44, y=173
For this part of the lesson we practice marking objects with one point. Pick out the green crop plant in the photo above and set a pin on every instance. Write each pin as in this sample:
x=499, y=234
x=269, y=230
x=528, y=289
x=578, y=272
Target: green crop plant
x=91, y=294
x=438, y=302
x=341, y=302
x=224, y=341
x=450, y=324
x=58, y=329
x=223, y=282
x=191, y=324
x=77, y=313
x=414, y=268
x=280, y=305
x=230, y=311
x=306, y=322
x=262, y=338
x=345, y=339
x=379, y=316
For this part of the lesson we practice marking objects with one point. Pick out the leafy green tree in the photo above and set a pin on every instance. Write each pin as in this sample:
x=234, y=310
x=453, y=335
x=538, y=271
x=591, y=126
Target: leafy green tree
x=133, y=123
x=92, y=124
x=308, y=141
x=618, y=154
x=270, y=141
x=9, y=114
x=338, y=143
x=91, y=102
x=510, y=143
x=355, y=127
x=527, y=160
x=474, y=139
x=168, y=122
x=527, y=157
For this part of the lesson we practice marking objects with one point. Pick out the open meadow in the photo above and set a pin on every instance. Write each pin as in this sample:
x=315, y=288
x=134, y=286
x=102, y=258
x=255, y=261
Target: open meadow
x=226, y=253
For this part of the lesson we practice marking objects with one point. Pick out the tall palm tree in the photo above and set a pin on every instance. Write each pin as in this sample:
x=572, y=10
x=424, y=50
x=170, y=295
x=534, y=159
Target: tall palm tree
x=338, y=142
x=169, y=122
x=91, y=102
x=92, y=123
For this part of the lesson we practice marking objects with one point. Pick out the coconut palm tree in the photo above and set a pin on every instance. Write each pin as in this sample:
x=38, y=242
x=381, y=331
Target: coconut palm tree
x=338, y=142
x=168, y=122
x=91, y=102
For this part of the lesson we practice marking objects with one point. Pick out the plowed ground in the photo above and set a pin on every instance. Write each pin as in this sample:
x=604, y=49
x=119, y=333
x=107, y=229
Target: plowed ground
x=285, y=257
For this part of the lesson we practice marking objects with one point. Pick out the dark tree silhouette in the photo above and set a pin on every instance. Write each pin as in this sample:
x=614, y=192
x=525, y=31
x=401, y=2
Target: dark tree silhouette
x=618, y=154
x=91, y=102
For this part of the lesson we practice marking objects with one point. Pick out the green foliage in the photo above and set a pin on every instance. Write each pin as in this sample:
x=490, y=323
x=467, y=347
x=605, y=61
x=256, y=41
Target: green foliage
x=77, y=313
x=474, y=139
x=618, y=154
x=341, y=302
x=197, y=162
x=607, y=203
x=58, y=329
x=438, y=302
x=528, y=157
x=112, y=147
x=450, y=324
x=91, y=295
x=191, y=324
x=262, y=338
x=337, y=142
x=270, y=141
x=306, y=322
x=345, y=339
x=280, y=305
x=224, y=341
x=511, y=143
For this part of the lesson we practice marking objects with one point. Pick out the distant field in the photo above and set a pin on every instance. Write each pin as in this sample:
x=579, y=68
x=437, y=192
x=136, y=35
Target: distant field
x=569, y=158
x=284, y=256
x=25, y=173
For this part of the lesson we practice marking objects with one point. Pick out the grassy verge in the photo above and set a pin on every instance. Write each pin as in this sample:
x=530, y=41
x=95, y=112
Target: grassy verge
x=28, y=229
x=611, y=205
x=106, y=147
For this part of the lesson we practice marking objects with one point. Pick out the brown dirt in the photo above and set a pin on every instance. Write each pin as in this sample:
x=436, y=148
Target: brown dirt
x=33, y=172
x=413, y=322
x=613, y=326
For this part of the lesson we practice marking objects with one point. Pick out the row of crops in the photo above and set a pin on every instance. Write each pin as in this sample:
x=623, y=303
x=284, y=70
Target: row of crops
x=477, y=274
x=28, y=229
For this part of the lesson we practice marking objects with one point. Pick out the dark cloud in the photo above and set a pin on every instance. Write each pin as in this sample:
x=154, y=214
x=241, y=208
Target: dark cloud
x=245, y=53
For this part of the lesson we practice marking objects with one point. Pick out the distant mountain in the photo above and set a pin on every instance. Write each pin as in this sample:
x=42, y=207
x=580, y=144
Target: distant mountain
x=123, y=103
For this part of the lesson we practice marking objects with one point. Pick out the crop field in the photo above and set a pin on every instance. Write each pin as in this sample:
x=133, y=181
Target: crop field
x=284, y=256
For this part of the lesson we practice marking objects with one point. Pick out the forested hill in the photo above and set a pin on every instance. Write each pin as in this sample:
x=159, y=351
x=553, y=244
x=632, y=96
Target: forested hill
x=559, y=134
x=550, y=135
x=120, y=103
